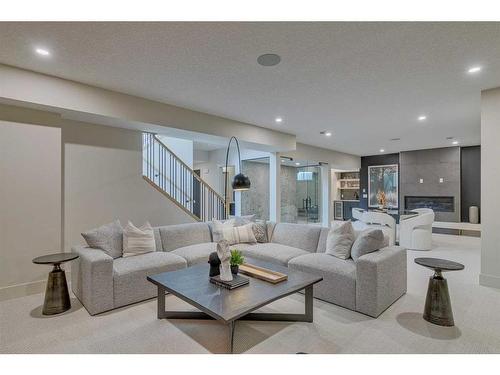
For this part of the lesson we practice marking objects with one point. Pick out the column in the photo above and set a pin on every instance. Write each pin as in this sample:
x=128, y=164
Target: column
x=274, y=187
x=326, y=200
x=490, y=181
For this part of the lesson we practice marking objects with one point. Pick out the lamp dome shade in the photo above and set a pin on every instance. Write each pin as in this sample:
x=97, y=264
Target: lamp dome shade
x=241, y=182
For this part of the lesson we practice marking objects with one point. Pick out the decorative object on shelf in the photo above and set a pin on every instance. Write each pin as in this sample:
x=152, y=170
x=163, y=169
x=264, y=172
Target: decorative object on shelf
x=240, y=181
x=383, y=178
x=437, y=308
x=236, y=260
x=56, y=294
x=224, y=255
x=214, y=261
x=262, y=273
x=474, y=214
x=236, y=282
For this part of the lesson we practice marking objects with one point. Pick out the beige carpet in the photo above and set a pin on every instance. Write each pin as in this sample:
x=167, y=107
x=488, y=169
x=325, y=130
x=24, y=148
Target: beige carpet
x=400, y=329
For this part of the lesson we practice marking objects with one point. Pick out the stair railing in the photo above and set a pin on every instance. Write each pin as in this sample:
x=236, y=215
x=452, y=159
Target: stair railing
x=165, y=171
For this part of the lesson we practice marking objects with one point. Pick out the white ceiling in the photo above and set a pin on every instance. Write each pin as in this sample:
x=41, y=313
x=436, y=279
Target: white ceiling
x=366, y=82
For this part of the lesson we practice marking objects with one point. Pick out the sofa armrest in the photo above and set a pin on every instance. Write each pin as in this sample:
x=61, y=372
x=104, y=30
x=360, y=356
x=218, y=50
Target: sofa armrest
x=380, y=279
x=92, y=279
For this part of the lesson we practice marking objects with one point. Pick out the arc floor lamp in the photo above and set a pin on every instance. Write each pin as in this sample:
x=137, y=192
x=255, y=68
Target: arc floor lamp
x=240, y=181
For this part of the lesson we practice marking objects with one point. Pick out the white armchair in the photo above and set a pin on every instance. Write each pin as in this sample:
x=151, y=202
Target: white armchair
x=415, y=233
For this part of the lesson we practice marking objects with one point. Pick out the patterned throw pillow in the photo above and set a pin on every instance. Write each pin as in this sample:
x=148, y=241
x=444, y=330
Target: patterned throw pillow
x=260, y=231
x=108, y=238
x=138, y=240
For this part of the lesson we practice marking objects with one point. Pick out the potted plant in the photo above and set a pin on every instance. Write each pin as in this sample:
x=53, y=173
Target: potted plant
x=235, y=260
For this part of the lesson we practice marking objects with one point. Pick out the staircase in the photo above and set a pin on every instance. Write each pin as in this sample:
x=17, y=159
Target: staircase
x=177, y=181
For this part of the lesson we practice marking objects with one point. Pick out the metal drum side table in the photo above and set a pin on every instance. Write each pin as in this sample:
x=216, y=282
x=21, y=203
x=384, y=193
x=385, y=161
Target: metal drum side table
x=56, y=294
x=437, y=303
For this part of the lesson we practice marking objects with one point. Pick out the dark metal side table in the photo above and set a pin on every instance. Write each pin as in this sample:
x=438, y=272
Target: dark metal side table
x=56, y=294
x=437, y=303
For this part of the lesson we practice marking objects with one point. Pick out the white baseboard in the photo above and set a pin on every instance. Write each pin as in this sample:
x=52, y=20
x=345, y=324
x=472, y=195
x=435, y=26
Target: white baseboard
x=22, y=290
x=489, y=280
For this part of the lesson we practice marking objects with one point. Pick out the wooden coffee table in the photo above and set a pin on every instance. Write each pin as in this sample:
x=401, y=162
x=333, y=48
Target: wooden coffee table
x=227, y=306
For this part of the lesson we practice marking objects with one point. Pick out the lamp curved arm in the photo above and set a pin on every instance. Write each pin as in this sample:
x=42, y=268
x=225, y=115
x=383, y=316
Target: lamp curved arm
x=225, y=174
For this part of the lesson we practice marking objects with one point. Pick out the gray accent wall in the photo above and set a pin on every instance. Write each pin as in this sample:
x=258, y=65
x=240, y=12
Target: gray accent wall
x=431, y=165
x=256, y=199
x=471, y=180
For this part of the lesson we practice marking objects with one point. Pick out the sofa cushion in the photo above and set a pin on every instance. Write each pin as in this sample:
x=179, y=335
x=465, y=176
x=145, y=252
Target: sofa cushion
x=339, y=277
x=129, y=275
x=302, y=236
x=271, y=252
x=196, y=254
x=176, y=236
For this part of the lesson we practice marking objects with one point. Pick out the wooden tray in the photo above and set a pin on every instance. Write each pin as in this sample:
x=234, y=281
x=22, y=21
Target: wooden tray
x=262, y=273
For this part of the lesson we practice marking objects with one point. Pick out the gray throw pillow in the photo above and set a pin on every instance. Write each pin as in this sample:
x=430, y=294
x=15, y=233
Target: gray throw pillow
x=339, y=240
x=368, y=241
x=108, y=238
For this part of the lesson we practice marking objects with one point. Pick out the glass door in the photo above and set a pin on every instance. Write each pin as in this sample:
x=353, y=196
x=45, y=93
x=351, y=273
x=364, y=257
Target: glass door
x=300, y=192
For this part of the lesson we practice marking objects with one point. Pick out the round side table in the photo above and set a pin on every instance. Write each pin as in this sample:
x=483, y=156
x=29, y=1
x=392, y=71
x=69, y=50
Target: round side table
x=56, y=294
x=438, y=304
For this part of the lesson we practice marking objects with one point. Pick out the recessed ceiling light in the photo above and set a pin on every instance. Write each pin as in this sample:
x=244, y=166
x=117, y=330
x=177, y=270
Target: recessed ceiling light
x=297, y=163
x=328, y=134
x=474, y=69
x=269, y=59
x=422, y=118
x=382, y=150
x=278, y=119
x=454, y=142
x=42, y=51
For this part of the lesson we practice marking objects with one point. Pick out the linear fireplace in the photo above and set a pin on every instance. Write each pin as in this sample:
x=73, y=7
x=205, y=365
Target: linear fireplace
x=438, y=204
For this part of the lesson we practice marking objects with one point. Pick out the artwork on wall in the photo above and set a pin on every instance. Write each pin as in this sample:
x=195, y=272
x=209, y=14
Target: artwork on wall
x=383, y=183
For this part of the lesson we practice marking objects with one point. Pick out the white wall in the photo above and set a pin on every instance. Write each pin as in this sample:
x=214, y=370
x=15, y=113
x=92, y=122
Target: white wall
x=335, y=159
x=183, y=148
x=30, y=203
x=103, y=182
x=59, y=178
x=490, y=183
x=92, y=104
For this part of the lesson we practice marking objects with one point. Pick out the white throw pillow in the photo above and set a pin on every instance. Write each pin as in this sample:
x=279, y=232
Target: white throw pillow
x=234, y=235
x=138, y=240
x=368, y=241
x=339, y=240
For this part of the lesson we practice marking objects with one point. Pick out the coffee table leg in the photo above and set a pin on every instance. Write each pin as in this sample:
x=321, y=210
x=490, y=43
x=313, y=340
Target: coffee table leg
x=309, y=304
x=230, y=337
x=161, y=302
x=56, y=294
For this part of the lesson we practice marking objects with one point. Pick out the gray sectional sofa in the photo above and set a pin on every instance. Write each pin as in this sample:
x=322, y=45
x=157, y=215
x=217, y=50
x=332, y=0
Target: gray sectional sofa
x=368, y=286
